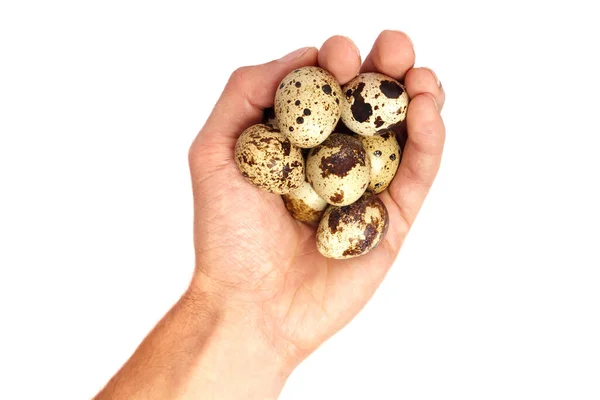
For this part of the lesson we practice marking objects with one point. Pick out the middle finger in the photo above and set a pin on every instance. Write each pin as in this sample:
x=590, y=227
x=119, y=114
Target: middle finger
x=392, y=54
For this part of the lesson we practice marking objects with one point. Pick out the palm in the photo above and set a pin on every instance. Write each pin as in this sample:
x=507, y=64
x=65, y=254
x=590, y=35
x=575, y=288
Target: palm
x=324, y=294
x=247, y=242
x=274, y=260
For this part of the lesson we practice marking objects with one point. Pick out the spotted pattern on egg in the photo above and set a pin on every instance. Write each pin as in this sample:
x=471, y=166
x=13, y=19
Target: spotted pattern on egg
x=304, y=204
x=384, y=153
x=352, y=230
x=338, y=169
x=373, y=103
x=268, y=160
x=307, y=105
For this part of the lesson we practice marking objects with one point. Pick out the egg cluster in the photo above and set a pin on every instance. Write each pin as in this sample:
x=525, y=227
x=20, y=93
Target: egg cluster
x=328, y=151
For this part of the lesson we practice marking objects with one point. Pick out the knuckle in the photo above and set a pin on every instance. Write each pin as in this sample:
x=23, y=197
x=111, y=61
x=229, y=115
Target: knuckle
x=193, y=155
x=418, y=177
x=243, y=82
x=238, y=77
x=198, y=152
x=192, y=152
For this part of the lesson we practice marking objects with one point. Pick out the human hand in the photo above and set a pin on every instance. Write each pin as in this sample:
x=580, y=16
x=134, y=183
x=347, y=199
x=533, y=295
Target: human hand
x=259, y=267
x=262, y=296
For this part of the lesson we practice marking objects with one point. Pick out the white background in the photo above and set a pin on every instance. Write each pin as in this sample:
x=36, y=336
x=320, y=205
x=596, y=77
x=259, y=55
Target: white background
x=495, y=295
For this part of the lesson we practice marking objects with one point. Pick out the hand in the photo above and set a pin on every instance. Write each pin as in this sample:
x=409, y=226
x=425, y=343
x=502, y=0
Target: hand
x=253, y=260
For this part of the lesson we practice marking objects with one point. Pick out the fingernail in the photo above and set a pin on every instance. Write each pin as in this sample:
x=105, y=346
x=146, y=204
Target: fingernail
x=294, y=55
x=437, y=80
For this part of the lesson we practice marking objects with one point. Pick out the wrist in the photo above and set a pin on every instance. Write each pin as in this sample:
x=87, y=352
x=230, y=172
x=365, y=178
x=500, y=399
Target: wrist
x=241, y=357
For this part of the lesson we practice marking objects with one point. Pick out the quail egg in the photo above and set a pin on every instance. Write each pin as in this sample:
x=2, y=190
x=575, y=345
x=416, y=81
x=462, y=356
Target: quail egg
x=305, y=204
x=372, y=103
x=307, y=105
x=384, y=153
x=353, y=230
x=338, y=169
x=268, y=160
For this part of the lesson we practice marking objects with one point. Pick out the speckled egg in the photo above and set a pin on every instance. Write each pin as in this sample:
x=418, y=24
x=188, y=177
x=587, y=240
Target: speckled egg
x=353, y=230
x=305, y=204
x=338, y=169
x=307, y=105
x=268, y=160
x=373, y=103
x=384, y=154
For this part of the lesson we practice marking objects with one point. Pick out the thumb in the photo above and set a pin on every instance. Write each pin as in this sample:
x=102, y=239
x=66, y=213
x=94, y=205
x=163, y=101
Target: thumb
x=248, y=92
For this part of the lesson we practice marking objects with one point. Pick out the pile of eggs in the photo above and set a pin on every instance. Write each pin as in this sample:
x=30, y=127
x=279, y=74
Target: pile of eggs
x=329, y=171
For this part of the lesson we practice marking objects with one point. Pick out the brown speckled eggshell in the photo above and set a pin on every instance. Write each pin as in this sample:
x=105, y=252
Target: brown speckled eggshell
x=305, y=204
x=307, y=105
x=268, y=160
x=353, y=230
x=338, y=169
x=384, y=153
x=373, y=103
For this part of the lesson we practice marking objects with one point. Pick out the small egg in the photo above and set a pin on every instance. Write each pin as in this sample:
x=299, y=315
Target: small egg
x=373, y=103
x=384, y=153
x=305, y=204
x=338, y=169
x=307, y=105
x=354, y=230
x=268, y=160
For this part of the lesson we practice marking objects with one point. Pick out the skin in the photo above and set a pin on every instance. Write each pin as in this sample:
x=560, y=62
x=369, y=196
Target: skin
x=262, y=297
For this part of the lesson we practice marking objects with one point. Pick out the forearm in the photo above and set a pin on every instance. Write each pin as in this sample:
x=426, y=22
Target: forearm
x=200, y=350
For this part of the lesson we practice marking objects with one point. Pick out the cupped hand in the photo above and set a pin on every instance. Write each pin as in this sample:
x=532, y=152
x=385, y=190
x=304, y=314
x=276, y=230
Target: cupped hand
x=251, y=254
